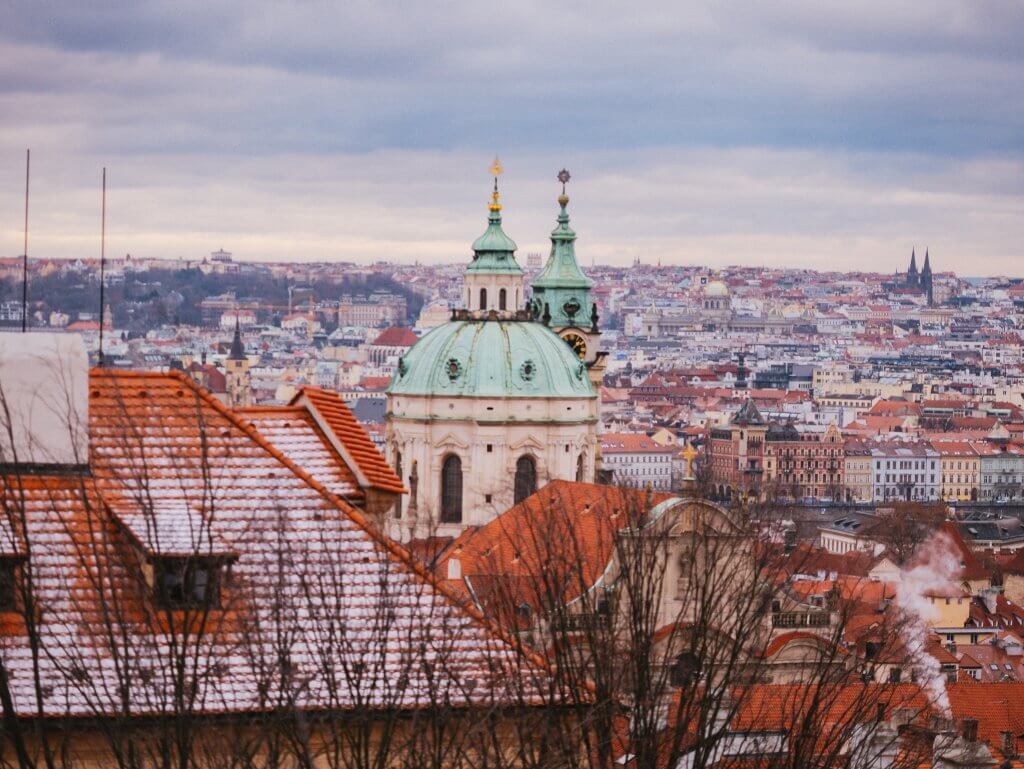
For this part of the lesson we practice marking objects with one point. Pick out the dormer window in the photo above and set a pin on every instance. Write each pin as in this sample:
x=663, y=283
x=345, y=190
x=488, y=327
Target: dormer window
x=187, y=583
x=8, y=583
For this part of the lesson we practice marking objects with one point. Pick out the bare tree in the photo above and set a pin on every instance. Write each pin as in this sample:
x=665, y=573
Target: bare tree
x=203, y=602
x=905, y=526
x=656, y=615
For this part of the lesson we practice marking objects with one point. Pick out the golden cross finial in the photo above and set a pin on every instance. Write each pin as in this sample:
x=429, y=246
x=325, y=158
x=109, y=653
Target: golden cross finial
x=496, y=171
x=689, y=454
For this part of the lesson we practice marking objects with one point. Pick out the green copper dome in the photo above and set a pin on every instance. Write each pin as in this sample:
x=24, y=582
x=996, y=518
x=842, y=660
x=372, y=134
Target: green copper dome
x=491, y=358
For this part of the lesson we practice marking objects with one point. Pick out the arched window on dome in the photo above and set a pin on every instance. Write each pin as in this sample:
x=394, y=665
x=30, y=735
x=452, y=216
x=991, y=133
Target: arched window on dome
x=579, y=468
x=483, y=298
x=451, y=490
x=502, y=297
x=526, y=478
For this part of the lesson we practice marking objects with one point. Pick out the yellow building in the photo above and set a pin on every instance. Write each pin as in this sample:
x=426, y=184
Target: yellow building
x=857, y=472
x=961, y=470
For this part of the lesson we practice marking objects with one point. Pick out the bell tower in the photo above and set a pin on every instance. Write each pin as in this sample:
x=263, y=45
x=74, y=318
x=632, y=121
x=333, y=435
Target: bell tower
x=562, y=297
x=236, y=372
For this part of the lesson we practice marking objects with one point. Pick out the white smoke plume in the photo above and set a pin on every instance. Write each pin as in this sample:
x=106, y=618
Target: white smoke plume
x=934, y=570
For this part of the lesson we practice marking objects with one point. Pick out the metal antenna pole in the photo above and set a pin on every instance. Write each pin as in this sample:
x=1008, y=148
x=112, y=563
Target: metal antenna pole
x=24, y=253
x=103, y=259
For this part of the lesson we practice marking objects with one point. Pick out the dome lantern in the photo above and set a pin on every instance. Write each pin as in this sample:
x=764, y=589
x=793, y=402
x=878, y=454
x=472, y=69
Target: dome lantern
x=494, y=279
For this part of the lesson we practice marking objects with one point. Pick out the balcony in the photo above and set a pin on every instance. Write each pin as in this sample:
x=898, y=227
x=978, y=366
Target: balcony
x=793, y=619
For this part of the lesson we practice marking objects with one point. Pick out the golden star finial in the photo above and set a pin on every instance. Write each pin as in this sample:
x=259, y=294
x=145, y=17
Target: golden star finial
x=496, y=168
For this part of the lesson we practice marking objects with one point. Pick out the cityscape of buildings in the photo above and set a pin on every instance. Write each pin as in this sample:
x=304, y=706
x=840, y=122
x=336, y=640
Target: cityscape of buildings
x=826, y=469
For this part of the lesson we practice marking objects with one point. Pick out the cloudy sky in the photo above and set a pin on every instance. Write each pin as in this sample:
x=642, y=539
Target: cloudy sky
x=788, y=133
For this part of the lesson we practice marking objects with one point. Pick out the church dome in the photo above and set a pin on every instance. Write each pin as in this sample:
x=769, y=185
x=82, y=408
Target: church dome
x=716, y=288
x=492, y=358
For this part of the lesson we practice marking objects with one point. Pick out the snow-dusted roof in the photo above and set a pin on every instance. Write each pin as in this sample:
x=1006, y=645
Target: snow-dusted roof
x=314, y=601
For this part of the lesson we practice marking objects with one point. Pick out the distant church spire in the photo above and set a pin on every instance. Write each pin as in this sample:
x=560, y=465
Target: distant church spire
x=926, y=279
x=237, y=349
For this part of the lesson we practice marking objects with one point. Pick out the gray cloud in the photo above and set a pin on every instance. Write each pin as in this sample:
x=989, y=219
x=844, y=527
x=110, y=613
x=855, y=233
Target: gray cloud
x=741, y=130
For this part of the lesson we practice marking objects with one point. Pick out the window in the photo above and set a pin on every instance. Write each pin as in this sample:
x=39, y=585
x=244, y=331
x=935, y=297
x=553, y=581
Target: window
x=501, y=299
x=526, y=478
x=684, y=668
x=187, y=583
x=579, y=469
x=451, y=488
x=894, y=675
x=398, y=472
x=483, y=298
x=8, y=584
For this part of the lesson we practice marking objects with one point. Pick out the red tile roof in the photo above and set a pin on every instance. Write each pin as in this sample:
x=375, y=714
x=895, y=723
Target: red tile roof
x=631, y=443
x=174, y=470
x=337, y=420
x=565, y=525
x=396, y=336
x=294, y=431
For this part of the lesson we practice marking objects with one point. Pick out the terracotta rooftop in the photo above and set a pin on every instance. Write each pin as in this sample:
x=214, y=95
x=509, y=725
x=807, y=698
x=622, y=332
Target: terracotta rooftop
x=396, y=336
x=294, y=431
x=173, y=471
x=335, y=418
x=564, y=525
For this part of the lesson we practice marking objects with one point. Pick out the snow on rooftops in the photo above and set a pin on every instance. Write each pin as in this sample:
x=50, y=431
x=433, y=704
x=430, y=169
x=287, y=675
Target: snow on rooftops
x=233, y=535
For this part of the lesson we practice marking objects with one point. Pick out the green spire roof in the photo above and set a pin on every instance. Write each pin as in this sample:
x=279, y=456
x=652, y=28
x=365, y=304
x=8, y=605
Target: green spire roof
x=562, y=270
x=494, y=251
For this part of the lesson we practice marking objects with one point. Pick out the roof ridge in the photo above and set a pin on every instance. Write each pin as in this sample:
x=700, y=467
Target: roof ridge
x=268, y=409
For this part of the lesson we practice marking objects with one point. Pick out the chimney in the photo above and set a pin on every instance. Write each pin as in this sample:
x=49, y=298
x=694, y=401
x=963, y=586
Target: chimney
x=961, y=751
x=1009, y=745
x=990, y=596
x=940, y=724
x=44, y=387
x=454, y=568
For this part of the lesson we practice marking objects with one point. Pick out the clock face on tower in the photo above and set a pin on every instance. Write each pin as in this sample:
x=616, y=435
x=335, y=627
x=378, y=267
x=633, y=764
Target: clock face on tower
x=577, y=343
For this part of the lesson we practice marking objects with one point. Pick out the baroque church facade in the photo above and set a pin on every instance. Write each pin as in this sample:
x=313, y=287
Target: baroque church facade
x=485, y=409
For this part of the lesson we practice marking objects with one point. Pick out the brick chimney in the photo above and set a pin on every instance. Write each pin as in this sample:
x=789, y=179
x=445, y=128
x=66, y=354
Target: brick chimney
x=961, y=751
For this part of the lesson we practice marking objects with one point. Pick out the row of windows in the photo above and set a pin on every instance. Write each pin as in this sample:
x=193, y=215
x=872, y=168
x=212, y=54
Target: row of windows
x=644, y=470
x=907, y=464
x=502, y=299
x=452, y=483
x=632, y=459
x=904, y=478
